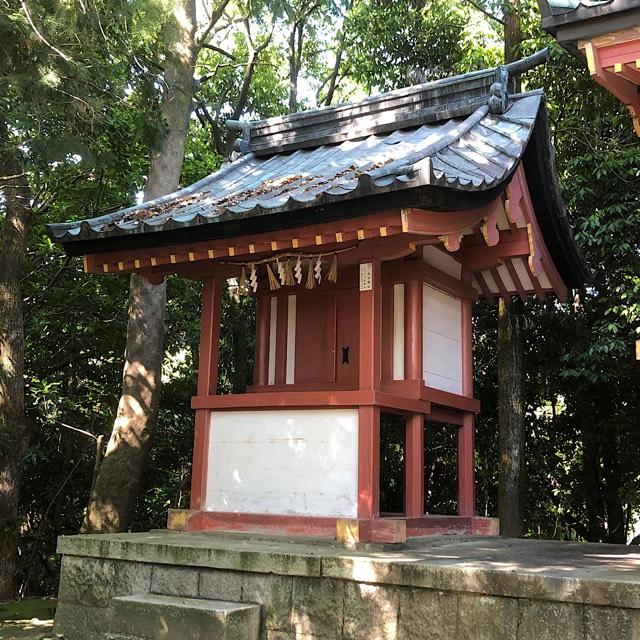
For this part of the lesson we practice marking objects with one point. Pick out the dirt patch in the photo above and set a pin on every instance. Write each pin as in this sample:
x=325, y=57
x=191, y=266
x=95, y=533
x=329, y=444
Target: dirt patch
x=34, y=629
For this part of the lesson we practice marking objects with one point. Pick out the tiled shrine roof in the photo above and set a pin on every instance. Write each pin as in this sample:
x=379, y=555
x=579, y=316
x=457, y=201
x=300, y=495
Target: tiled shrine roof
x=447, y=145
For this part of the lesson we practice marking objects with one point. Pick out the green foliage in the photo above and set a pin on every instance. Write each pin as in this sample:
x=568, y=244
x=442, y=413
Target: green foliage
x=389, y=43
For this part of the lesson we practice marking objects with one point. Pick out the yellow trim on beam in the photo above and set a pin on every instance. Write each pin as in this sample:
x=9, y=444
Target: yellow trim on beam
x=154, y=262
x=136, y=263
x=591, y=58
x=404, y=217
x=318, y=239
x=360, y=234
x=105, y=268
x=338, y=236
x=211, y=253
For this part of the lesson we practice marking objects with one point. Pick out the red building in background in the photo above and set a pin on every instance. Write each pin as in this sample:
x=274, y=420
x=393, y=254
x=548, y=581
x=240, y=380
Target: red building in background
x=607, y=35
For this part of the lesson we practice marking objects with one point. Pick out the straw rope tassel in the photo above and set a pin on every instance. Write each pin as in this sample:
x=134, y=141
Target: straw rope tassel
x=253, y=278
x=273, y=281
x=288, y=274
x=281, y=271
x=297, y=271
x=311, y=281
x=242, y=283
x=332, y=275
x=317, y=270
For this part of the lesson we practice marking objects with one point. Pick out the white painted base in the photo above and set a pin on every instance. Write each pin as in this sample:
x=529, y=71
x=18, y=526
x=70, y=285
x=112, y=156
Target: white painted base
x=302, y=462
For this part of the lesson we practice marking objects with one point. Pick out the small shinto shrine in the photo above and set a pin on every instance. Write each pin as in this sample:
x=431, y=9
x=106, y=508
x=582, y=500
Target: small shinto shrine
x=606, y=34
x=365, y=232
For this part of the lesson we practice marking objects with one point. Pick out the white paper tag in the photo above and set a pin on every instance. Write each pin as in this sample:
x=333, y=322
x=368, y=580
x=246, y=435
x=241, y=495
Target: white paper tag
x=366, y=276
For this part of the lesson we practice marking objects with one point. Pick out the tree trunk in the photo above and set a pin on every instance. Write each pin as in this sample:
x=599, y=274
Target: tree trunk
x=112, y=501
x=510, y=418
x=295, y=62
x=510, y=376
x=512, y=30
x=15, y=432
x=591, y=476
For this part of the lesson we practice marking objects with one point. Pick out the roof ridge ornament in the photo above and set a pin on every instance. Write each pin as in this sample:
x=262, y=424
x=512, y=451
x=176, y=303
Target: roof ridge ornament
x=242, y=144
x=406, y=108
x=499, y=99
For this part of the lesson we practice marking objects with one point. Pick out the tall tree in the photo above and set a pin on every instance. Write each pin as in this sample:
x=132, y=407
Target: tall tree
x=511, y=430
x=52, y=100
x=14, y=426
x=115, y=490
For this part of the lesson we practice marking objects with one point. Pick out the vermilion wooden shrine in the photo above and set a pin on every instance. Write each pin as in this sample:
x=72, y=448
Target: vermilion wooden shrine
x=365, y=232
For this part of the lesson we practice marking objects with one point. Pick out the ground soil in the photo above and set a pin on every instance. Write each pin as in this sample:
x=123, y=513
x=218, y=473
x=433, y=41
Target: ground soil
x=28, y=619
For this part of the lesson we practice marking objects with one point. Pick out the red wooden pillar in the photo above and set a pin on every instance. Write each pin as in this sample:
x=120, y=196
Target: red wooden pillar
x=466, y=480
x=263, y=317
x=370, y=358
x=207, y=382
x=413, y=330
x=369, y=368
x=414, y=429
x=368, y=462
x=414, y=466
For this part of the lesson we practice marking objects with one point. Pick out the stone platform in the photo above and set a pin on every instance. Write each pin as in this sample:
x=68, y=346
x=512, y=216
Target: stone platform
x=441, y=588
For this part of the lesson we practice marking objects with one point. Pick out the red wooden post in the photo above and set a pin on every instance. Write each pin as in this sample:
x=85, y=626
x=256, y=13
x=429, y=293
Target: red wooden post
x=370, y=352
x=207, y=382
x=368, y=462
x=331, y=336
x=263, y=316
x=466, y=480
x=413, y=330
x=466, y=488
x=414, y=429
x=369, y=368
x=414, y=466
x=209, y=337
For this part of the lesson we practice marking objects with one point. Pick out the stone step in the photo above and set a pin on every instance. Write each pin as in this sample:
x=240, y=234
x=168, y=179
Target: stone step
x=156, y=617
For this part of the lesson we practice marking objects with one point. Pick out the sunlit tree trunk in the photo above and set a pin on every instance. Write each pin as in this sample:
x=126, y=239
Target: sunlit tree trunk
x=510, y=366
x=112, y=500
x=510, y=418
x=14, y=427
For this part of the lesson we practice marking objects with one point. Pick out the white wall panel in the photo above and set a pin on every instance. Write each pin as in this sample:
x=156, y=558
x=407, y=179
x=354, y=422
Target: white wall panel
x=302, y=462
x=291, y=340
x=442, y=340
x=398, y=331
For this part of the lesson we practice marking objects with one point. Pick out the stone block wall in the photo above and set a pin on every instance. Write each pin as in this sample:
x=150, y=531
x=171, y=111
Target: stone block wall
x=307, y=607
